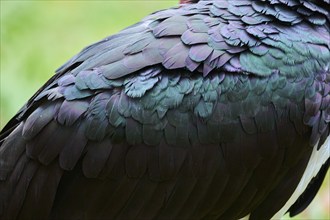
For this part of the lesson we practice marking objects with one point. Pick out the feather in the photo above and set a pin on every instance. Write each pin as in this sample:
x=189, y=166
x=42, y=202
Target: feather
x=119, y=197
x=18, y=196
x=35, y=146
x=179, y=194
x=115, y=118
x=70, y=111
x=170, y=134
x=53, y=138
x=265, y=119
x=248, y=124
x=115, y=165
x=11, y=150
x=176, y=57
x=72, y=92
x=73, y=148
x=191, y=38
x=66, y=80
x=96, y=117
x=191, y=65
x=174, y=25
x=91, y=80
x=136, y=161
x=313, y=105
x=8, y=187
x=155, y=202
x=188, y=109
x=41, y=192
x=39, y=119
x=124, y=105
x=139, y=44
x=145, y=189
x=151, y=136
x=133, y=131
x=200, y=52
x=96, y=157
x=103, y=57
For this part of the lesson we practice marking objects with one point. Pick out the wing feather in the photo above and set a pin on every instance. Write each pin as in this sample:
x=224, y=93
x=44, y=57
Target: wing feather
x=179, y=116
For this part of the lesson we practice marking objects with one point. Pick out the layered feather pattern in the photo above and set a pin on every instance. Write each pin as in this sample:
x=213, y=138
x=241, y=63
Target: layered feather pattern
x=204, y=111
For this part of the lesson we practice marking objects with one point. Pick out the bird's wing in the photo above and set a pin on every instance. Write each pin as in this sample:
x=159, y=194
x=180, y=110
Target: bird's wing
x=188, y=109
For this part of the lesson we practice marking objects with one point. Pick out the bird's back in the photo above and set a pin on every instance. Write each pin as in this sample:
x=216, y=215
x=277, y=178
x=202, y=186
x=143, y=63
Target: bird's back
x=210, y=110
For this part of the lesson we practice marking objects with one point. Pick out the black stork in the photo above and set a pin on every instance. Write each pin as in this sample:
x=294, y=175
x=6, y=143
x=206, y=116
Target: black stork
x=217, y=109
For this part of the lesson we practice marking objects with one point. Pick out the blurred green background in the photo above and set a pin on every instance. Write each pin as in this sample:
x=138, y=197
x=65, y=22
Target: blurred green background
x=39, y=36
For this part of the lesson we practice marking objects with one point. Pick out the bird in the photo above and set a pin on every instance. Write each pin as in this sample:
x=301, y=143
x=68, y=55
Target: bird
x=214, y=109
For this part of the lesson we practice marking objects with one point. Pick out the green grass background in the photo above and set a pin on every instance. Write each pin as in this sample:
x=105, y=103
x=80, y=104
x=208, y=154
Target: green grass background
x=38, y=36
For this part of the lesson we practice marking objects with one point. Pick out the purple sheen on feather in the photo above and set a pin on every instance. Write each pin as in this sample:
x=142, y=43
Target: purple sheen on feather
x=66, y=80
x=221, y=4
x=215, y=54
x=207, y=69
x=251, y=20
x=191, y=65
x=136, y=62
x=215, y=35
x=256, y=32
x=197, y=24
x=200, y=52
x=326, y=89
x=210, y=21
x=234, y=61
x=176, y=57
x=223, y=59
x=153, y=54
x=228, y=67
x=39, y=119
x=189, y=37
x=70, y=111
x=235, y=50
x=259, y=50
x=311, y=120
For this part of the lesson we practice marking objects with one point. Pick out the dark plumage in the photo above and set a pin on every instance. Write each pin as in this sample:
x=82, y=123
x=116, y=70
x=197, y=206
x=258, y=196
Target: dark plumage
x=213, y=110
